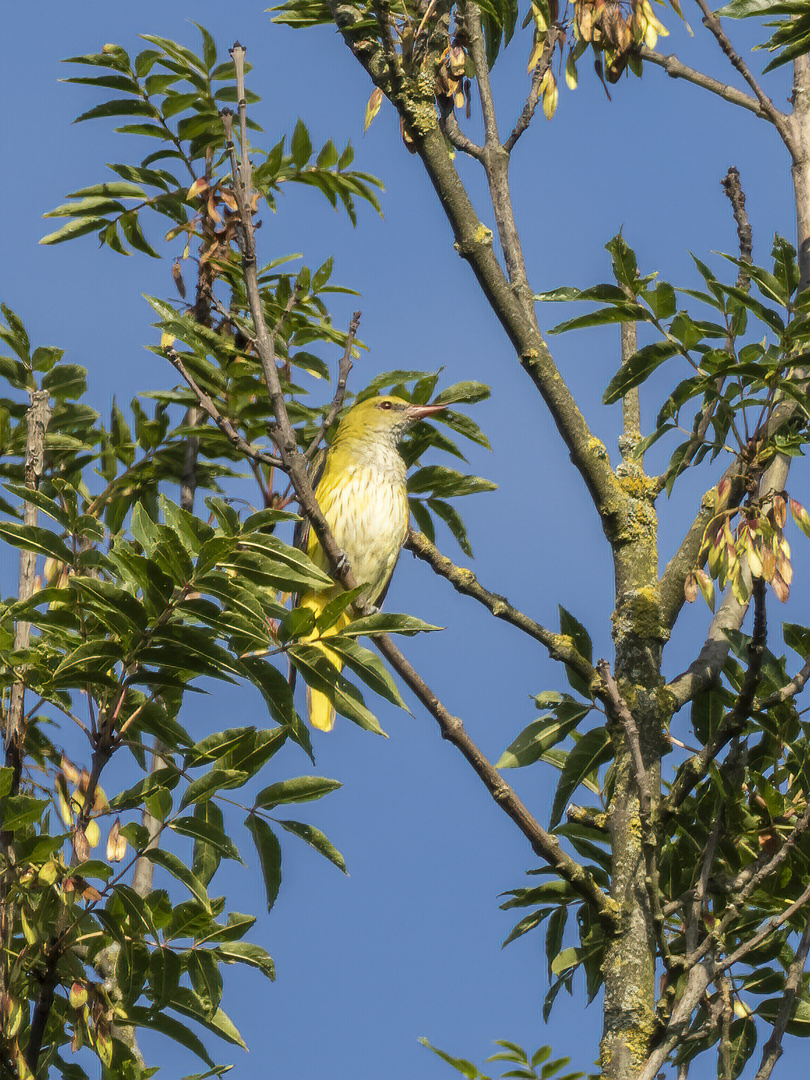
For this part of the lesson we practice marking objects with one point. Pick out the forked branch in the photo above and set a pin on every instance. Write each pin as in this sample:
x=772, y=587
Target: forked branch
x=294, y=463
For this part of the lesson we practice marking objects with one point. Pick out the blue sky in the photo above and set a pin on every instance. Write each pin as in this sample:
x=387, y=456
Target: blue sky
x=409, y=944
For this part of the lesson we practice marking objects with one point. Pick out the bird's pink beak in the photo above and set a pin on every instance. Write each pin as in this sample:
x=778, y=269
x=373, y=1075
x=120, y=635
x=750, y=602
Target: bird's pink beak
x=419, y=412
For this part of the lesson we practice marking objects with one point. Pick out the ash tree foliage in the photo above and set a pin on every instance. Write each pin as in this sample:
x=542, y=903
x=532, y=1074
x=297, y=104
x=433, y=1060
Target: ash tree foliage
x=131, y=601
x=672, y=883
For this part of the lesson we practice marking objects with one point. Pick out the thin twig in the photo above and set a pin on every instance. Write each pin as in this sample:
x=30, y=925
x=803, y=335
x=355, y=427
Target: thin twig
x=14, y=731
x=456, y=136
x=772, y=1050
x=771, y=925
x=678, y=70
x=712, y=23
x=736, y=196
x=222, y=422
x=464, y=581
x=344, y=368
x=620, y=710
x=732, y=724
x=795, y=686
x=470, y=19
x=535, y=93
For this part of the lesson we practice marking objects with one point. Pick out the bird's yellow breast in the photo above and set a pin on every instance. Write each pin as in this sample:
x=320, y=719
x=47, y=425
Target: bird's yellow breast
x=367, y=510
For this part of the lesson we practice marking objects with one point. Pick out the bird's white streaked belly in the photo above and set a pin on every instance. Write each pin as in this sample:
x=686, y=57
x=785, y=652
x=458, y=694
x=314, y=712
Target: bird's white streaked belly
x=369, y=520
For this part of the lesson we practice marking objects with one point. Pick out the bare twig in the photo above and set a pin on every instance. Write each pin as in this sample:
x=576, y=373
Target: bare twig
x=456, y=136
x=771, y=925
x=733, y=188
x=631, y=405
x=471, y=21
x=795, y=686
x=618, y=707
x=37, y=417
x=535, y=93
x=693, y=771
x=678, y=70
x=712, y=23
x=464, y=581
x=772, y=1050
x=344, y=368
x=221, y=421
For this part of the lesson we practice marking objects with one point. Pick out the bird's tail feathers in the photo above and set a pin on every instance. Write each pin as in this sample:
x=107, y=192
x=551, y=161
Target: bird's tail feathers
x=321, y=710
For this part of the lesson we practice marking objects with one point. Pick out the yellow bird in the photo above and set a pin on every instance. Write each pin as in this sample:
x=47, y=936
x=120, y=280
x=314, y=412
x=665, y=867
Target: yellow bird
x=363, y=496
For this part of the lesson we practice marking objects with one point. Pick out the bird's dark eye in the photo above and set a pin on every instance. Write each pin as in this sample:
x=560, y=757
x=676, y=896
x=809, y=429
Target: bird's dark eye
x=386, y=405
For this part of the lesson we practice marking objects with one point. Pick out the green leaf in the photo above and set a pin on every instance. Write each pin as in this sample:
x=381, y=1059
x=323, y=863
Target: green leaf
x=206, y=980
x=296, y=789
x=186, y=1001
x=467, y=392
x=72, y=229
x=442, y=482
x=300, y=145
x=451, y=517
x=637, y=368
x=466, y=1068
x=244, y=952
x=138, y=1016
x=177, y=868
x=269, y=851
x=119, y=107
x=205, y=786
x=385, y=622
x=539, y=737
x=368, y=667
x=207, y=833
x=316, y=839
x=164, y=975
x=20, y=811
x=590, y=752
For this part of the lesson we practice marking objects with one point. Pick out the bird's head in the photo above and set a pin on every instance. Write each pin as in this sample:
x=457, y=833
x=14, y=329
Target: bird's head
x=386, y=419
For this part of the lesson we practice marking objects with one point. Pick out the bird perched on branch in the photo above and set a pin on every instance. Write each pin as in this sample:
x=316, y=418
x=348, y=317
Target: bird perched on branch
x=363, y=496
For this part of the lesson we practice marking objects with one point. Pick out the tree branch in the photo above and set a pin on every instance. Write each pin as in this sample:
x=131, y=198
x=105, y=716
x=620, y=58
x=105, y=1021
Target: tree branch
x=678, y=70
x=618, y=707
x=222, y=422
x=694, y=770
x=712, y=23
x=344, y=368
x=459, y=140
x=772, y=1050
x=560, y=646
x=535, y=93
x=294, y=463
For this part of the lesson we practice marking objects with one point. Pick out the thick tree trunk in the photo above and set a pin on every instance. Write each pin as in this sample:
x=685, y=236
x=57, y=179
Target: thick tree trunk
x=629, y=966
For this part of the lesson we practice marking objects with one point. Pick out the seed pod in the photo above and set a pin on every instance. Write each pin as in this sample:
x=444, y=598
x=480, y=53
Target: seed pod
x=779, y=511
x=78, y=996
x=585, y=21
x=780, y=587
x=690, y=589
x=373, y=107
x=550, y=98
x=800, y=516
x=768, y=563
x=197, y=188
x=456, y=61
x=571, y=77
x=116, y=843
x=754, y=562
x=706, y=586
x=81, y=845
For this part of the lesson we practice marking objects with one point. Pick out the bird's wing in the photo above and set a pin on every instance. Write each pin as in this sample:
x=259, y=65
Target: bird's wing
x=303, y=529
